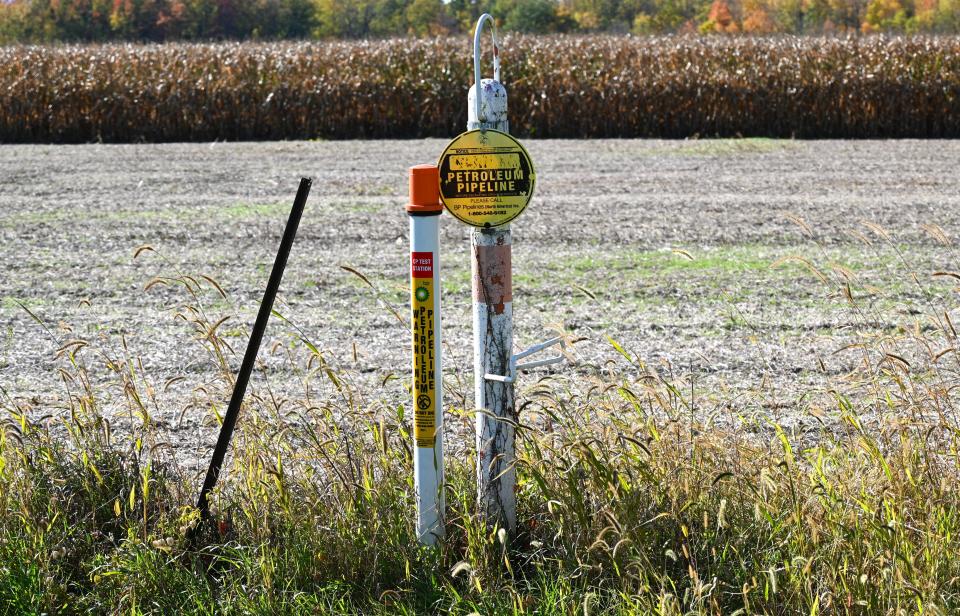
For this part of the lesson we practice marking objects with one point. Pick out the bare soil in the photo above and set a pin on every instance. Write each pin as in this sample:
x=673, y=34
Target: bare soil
x=682, y=252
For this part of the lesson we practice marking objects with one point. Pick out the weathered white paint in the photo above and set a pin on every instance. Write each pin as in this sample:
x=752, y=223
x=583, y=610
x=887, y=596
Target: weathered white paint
x=490, y=110
x=492, y=320
x=493, y=347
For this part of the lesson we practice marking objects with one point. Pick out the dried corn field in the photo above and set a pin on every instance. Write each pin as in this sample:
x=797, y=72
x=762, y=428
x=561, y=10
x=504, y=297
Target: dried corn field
x=599, y=86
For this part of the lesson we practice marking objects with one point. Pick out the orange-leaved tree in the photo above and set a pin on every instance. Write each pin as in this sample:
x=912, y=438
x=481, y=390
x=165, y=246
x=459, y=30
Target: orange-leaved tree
x=720, y=18
x=757, y=18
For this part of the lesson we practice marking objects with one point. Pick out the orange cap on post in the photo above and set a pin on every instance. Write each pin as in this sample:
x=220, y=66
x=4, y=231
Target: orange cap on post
x=424, y=190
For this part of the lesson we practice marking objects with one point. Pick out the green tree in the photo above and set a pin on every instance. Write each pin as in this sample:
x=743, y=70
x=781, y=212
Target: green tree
x=428, y=17
x=12, y=21
x=817, y=15
x=537, y=16
x=671, y=15
x=790, y=15
x=341, y=18
x=387, y=17
x=947, y=17
x=465, y=13
x=136, y=20
x=847, y=14
x=884, y=15
x=192, y=20
x=599, y=14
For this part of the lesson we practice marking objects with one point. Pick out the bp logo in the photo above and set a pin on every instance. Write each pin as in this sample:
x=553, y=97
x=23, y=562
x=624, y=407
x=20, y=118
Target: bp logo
x=422, y=294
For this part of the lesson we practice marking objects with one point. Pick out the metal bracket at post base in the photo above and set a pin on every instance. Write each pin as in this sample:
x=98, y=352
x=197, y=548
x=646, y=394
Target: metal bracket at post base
x=514, y=367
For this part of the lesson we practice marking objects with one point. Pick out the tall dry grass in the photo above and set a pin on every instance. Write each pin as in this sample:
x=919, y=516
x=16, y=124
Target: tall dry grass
x=633, y=498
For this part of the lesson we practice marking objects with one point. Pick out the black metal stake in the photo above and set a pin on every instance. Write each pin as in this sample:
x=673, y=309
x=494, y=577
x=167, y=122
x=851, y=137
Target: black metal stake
x=243, y=377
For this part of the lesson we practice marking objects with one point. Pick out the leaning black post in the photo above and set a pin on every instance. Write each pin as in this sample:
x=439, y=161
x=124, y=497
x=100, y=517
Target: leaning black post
x=243, y=377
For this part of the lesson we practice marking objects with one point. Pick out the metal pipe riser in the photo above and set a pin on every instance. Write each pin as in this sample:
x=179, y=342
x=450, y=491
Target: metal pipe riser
x=493, y=344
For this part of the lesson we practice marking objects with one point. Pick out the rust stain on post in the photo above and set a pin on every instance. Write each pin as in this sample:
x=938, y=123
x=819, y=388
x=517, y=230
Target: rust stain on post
x=492, y=276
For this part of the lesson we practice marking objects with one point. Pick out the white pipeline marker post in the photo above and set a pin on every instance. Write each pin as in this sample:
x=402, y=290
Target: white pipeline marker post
x=486, y=180
x=492, y=349
x=424, y=210
x=492, y=318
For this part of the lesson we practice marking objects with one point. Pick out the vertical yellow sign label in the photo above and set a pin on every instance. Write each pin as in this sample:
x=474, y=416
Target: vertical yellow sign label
x=424, y=359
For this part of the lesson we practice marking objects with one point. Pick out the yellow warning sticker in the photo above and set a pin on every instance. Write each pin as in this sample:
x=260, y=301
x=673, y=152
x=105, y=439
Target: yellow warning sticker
x=424, y=347
x=486, y=178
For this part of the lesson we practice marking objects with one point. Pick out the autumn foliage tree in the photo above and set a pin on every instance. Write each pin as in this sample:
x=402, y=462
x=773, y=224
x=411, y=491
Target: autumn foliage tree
x=720, y=19
x=161, y=20
x=884, y=15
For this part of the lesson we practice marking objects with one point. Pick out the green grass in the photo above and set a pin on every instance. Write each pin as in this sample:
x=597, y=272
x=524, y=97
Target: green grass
x=636, y=495
x=14, y=221
x=255, y=210
x=273, y=210
x=362, y=208
x=715, y=274
x=243, y=211
x=632, y=514
x=8, y=302
x=729, y=147
x=600, y=269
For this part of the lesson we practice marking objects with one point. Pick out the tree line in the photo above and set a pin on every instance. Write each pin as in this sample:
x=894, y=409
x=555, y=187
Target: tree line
x=166, y=20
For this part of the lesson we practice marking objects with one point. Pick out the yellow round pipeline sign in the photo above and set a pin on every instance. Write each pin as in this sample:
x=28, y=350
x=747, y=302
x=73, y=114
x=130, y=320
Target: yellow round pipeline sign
x=486, y=178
